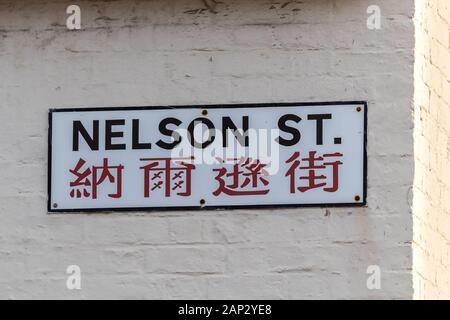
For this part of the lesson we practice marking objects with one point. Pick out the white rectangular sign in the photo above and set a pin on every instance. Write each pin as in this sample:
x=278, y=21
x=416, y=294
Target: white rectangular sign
x=207, y=157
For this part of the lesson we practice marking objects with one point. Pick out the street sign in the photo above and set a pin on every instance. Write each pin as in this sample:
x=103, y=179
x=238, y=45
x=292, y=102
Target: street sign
x=207, y=157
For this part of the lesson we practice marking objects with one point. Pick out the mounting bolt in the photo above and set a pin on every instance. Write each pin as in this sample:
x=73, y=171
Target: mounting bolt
x=202, y=202
x=205, y=112
x=358, y=109
x=357, y=198
x=55, y=205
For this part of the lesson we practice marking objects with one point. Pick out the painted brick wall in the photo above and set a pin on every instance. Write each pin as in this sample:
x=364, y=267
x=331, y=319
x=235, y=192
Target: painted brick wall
x=178, y=52
x=432, y=151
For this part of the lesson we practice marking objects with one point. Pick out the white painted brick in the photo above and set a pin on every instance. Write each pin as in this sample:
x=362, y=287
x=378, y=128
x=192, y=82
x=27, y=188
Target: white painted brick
x=186, y=287
x=185, y=260
x=262, y=286
x=177, y=52
x=186, y=230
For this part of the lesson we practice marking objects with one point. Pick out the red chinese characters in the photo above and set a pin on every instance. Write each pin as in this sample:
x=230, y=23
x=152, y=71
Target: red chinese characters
x=168, y=174
x=313, y=172
x=88, y=180
x=234, y=177
x=245, y=177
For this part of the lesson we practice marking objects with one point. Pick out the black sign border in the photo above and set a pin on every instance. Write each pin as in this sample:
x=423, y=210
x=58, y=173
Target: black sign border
x=52, y=210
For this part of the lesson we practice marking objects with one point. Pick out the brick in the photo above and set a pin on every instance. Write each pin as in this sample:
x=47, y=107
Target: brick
x=177, y=52
x=185, y=260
